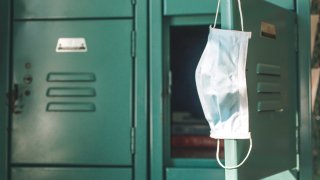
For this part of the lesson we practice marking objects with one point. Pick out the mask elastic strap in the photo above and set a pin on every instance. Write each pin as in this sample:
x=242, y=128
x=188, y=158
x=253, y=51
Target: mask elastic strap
x=233, y=167
x=217, y=12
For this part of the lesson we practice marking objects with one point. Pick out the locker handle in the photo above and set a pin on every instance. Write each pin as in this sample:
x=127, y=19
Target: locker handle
x=71, y=45
x=70, y=48
x=13, y=97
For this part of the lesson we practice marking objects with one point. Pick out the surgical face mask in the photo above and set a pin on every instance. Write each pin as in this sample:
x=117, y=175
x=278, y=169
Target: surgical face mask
x=221, y=84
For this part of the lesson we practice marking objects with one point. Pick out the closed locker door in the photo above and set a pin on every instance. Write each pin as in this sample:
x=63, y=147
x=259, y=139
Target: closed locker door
x=73, y=86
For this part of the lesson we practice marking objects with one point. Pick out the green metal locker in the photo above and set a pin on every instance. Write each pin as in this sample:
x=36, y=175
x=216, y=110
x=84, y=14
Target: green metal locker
x=276, y=75
x=76, y=90
x=282, y=139
x=80, y=108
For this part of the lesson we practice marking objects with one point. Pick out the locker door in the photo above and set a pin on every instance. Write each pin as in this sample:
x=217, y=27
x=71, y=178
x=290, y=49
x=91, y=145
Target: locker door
x=272, y=90
x=73, y=81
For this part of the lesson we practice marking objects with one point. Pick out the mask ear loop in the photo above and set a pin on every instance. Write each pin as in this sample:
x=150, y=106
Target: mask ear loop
x=216, y=17
x=232, y=167
x=217, y=12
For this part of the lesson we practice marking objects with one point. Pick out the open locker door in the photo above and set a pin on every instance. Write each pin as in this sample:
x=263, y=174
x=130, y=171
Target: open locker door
x=272, y=78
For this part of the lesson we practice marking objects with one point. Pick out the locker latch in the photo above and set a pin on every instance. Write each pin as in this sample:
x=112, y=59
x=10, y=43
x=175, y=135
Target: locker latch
x=13, y=100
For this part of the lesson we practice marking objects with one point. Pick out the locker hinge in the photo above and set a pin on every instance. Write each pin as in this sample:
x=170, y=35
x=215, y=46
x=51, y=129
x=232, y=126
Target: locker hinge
x=133, y=140
x=133, y=2
x=133, y=43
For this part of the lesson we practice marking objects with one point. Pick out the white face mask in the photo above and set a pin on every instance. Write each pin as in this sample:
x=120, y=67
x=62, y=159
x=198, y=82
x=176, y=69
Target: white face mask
x=221, y=84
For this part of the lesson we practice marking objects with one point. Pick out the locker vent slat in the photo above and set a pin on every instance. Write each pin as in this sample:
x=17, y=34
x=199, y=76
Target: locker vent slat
x=268, y=69
x=71, y=77
x=267, y=106
x=70, y=107
x=71, y=98
x=71, y=92
x=268, y=88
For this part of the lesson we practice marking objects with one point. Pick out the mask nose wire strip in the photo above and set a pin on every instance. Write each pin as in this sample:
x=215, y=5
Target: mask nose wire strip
x=232, y=167
x=217, y=12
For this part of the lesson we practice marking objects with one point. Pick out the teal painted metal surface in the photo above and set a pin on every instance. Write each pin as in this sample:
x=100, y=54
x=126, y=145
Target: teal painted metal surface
x=280, y=152
x=305, y=143
x=193, y=20
x=71, y=173
x=194, y=173
x=32, y=10
x=141, y=82
x=176, y=7
x=287, y=4
x=156, y=90
x=79, y=130
x=195, y=163
x=268, y=88
x=287, y=175
x=4, y=82
x=35, y=9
